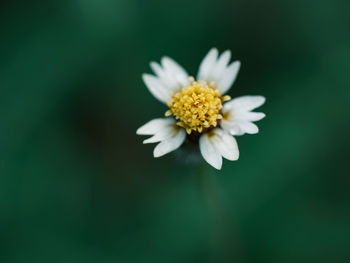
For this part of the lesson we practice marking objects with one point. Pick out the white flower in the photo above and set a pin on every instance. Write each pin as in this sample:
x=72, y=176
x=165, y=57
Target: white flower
x=198, y=110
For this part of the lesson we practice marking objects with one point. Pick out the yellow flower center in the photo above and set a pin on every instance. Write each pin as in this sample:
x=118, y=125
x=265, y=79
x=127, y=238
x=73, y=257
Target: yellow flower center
x=197, y=107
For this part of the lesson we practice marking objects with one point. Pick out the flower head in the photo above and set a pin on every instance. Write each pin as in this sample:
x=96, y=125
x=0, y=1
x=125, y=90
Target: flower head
x=199, y=109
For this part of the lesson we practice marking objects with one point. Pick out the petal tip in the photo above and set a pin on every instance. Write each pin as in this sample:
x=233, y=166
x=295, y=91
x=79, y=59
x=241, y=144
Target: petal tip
x=153, y=65
x=237, y=64
x=217, y=166
x=145, y=76
x=140, y=131
x=165, y=59
x=146, y=141
x=157, y=154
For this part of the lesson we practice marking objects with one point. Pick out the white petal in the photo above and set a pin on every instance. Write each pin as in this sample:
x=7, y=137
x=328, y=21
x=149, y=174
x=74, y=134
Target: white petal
x=221, y=66
x=170, y=144
x=177, y=72
x=157, y=69
x=207, y=65
x=228, y=77
x=236, y=115
x=163, y=134
x=233, y=129
x=153, y=126
x=225, y=144
x=250, y=116
x=249, y=127
x=156, y=87
x=209, y=152
x=166, y=77
x=239, y=120
x=245, y=103
x=240, y=127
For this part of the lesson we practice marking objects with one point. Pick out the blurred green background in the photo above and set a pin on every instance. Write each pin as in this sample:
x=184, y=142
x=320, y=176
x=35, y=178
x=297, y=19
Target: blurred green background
x=76, y=183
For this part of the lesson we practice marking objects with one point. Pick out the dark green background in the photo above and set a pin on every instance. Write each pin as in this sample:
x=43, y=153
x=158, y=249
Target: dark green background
x=76, y=183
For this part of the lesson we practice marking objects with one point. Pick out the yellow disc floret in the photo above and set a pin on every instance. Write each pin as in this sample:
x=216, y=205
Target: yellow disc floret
x=197, y=107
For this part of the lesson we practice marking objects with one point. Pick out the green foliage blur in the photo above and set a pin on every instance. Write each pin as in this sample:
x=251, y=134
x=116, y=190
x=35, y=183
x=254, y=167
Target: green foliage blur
x=78, y=185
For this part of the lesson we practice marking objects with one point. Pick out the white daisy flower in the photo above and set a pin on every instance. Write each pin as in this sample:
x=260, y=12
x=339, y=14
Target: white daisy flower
x=198, y=109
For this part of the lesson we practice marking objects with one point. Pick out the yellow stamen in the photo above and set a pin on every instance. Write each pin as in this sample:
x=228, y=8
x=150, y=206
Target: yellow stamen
x=197, y=106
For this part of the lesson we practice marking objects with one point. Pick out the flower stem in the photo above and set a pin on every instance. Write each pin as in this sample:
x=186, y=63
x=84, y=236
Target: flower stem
x=224, y=234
